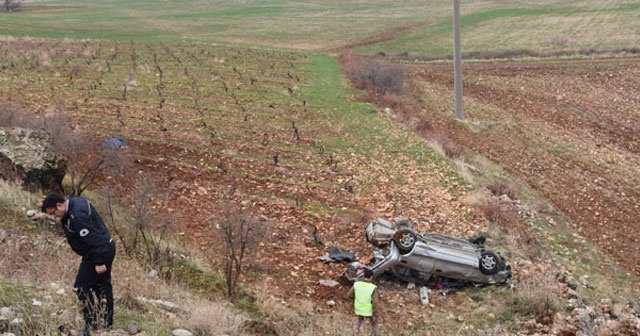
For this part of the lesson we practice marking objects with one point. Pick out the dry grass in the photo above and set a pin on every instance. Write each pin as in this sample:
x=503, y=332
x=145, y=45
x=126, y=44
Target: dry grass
x=214, y=319
x=447, y=147
x=538, y=297
x=504, y=186
x=298, y=317
x=35, y=276
x=37, y=266
x=501, y=214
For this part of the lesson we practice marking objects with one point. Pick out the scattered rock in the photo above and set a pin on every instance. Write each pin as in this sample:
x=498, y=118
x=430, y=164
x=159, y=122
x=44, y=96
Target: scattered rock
x=133, y=329
x=181, y=332
x=7, y=313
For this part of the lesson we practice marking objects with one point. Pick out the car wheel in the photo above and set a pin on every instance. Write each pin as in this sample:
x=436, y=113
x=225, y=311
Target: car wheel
x=490, y=262
x=405, y=239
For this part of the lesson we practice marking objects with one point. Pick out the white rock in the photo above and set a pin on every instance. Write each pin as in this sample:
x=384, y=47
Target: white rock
x=181, y=332
x=7, y=313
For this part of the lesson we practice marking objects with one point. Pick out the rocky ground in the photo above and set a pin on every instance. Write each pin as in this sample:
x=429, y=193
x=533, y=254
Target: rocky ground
x=569, y=130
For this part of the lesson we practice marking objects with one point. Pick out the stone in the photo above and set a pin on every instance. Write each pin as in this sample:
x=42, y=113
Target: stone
x=7, y=313
x=181, y=332
x=133, y=329
x=25, y=157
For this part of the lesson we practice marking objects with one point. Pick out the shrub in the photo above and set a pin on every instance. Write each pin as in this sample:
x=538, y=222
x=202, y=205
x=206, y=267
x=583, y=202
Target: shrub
x=240, y=232
x=537, y=297
x=372, y=73
x=448, y=147
x=501, y=214
x=505, y=187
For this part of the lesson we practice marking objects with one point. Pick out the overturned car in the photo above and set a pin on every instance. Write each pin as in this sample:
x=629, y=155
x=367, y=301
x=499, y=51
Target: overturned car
x=429, y=258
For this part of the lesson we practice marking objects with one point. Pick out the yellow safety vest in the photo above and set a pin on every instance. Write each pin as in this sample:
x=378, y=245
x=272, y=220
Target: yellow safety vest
x=363, y=302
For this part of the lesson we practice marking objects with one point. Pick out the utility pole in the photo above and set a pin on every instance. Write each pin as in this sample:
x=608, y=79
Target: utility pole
x=457, y=60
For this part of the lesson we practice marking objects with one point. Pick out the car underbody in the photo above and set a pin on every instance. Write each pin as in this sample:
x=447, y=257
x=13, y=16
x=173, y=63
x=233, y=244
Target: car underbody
x=429, y=259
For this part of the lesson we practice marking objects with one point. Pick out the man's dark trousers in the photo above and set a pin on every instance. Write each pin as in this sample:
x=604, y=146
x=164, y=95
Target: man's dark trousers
x=95, y=292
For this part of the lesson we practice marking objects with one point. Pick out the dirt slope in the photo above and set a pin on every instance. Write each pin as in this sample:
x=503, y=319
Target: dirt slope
x=570, y=130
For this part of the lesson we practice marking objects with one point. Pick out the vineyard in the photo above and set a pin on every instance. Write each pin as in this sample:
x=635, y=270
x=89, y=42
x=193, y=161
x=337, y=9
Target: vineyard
x=281, y=134
x=269, y=130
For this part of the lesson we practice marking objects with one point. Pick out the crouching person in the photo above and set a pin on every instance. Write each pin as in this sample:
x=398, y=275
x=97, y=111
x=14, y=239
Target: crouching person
x=89, y=237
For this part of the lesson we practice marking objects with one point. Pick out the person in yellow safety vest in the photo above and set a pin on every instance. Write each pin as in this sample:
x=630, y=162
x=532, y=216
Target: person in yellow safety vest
x=365, y=303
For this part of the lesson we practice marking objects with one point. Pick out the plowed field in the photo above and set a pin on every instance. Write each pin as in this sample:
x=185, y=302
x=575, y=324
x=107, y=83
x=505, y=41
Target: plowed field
x=570, y=130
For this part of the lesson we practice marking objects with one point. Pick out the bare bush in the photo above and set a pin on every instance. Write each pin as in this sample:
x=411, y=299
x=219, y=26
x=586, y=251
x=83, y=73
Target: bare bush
x=14, y=116
x=145, y=234
x=420, y=126
x=501, y=214
x=239, y=233
x=504, y=186
x=538, y=297
x=86, y=159
x=448, y=147
x=373, y=73
x=8, y=115
x=11, y=5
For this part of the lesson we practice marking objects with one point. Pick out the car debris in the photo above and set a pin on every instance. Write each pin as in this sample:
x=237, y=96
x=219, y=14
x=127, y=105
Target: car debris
x=336, y=256
x=328, y=283
x=429, y=259
x=424, y=295
x=114, y=143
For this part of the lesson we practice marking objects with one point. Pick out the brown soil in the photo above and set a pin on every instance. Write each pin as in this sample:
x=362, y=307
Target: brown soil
x=570, y=130
x=567, y=129
x=39, y=8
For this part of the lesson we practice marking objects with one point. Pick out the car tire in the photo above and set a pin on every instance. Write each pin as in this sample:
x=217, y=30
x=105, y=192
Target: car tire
x=490, y=262
x=405, y=240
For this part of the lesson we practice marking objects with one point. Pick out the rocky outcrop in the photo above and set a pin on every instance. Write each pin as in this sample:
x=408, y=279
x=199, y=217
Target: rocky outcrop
x=25, y=157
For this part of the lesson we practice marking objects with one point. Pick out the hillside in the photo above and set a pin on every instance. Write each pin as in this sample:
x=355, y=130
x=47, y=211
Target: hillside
x=232, y=120
x=212, y=130
x=568, y=129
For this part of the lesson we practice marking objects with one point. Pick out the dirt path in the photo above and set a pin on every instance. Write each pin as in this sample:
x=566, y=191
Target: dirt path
x=387, y=35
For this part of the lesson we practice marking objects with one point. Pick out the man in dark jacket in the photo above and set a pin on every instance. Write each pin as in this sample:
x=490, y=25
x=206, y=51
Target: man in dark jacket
x=89, y=237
